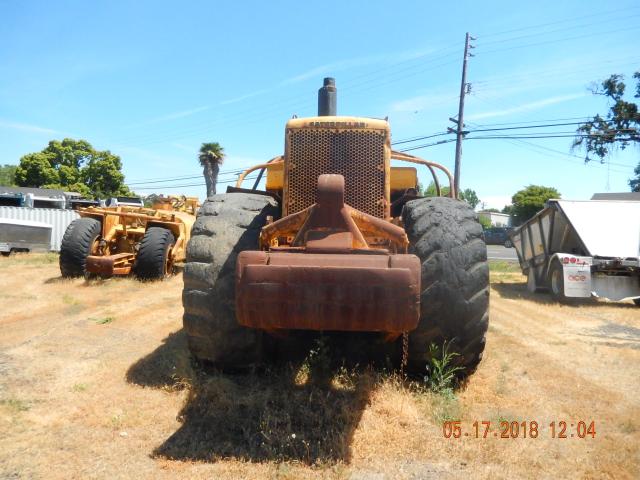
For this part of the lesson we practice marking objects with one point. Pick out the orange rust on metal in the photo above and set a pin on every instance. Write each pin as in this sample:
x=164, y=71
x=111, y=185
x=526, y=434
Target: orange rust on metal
x=273, y=161
x=124, y=227
x=375, y=227
x=344, y=292
x=322, y=226
x=285, y=227
x=118, y=264
x=405, y=157
x=144, y=216
x=328, y=218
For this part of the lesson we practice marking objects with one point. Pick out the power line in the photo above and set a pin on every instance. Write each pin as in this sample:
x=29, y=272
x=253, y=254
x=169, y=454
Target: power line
x=564, y=21
x=417, y=147
x=577, y=37
x=537, y=148
x=563, y=29
x=567, y=70
x=526, y=126
x=531, y=121
x=163, y=187
x=187, y=177
x=293, y=103
x=551, y=135
x=415, y=139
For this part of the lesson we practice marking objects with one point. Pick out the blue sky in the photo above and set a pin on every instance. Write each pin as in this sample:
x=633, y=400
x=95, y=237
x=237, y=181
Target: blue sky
x=151, y=81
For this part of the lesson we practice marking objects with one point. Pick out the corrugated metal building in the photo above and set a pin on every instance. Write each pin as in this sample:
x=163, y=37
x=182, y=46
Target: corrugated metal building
x=58, y=218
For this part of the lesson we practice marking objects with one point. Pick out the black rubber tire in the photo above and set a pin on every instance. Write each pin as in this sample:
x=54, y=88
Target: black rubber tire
x=226, y=225
x=508, y=244
x=447, y=237
x=556, y=288
x=76, y=246
x=637, y=301
x=151, y=261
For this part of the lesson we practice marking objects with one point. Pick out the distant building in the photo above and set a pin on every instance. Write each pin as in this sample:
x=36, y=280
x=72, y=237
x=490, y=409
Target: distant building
x=633, y=196
x=33, y=197
x=497, y=219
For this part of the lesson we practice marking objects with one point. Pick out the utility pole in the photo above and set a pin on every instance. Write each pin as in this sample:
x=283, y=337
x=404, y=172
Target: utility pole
x=459, y=131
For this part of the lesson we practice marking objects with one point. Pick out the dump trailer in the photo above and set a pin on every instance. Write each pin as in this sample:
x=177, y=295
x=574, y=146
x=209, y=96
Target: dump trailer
x=339, y=241
x=124, y=239
x=581, y=249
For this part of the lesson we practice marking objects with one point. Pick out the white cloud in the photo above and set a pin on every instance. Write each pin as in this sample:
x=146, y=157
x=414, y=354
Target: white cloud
x=525, y=107
x=183, y=147
x=356, y=62
x=176, y=115
x=421, y=102
x=244, y=97
x=28, y=128
x=322, y=70
x=494, y=201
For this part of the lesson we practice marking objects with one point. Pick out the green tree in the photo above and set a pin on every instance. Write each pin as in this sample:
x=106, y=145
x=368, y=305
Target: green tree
x=211, y=156
x=634, y=183
x=485, y=222
x=430, y=191
x=8, y=175
x=492, y=210
x=73, y=165
x=619, y=128
x=470, y=197
x=508, y=209
x=530, y=200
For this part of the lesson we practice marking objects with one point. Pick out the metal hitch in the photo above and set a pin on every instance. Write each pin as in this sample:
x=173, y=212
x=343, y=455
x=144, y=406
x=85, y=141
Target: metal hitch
x=118, y=264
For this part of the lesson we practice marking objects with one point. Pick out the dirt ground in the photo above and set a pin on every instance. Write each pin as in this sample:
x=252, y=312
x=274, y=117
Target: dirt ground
x=96, y=382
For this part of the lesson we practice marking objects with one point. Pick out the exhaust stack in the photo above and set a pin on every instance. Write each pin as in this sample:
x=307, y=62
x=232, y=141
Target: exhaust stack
x=327, y=98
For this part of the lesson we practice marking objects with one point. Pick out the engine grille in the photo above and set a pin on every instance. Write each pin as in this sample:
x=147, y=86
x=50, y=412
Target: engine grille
x=358, y=155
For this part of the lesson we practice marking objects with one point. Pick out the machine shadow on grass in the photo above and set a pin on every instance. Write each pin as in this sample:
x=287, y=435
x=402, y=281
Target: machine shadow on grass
x=518, y=291
x=303, y=409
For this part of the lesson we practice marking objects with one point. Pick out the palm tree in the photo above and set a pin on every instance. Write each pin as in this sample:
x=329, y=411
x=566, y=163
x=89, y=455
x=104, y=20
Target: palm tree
x=211, y=156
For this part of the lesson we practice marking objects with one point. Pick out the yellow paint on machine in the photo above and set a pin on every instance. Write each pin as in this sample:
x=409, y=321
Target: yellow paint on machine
x=401, y=177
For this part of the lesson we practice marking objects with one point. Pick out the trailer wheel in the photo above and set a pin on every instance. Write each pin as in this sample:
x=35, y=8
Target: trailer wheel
x=226, y=225
x=556, y=281
x=637, y=301
x=447, y=237
x=77, y=244
x=154, y=261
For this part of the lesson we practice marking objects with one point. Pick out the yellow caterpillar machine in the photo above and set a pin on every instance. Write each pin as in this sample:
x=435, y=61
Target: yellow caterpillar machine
x=108, y=241
x=340, y=240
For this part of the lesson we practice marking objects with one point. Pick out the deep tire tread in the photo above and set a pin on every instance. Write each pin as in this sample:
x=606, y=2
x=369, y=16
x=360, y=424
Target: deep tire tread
x=446, y=235
x=226, y=225
x=152, y=254
x=76, y=246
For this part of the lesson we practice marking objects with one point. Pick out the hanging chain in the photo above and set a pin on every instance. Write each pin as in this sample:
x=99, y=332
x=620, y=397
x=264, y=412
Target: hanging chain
x=405, y=351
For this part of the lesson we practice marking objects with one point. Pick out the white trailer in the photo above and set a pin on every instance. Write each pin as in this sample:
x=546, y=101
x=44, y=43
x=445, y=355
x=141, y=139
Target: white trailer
x=24, y=236
x=582, y=248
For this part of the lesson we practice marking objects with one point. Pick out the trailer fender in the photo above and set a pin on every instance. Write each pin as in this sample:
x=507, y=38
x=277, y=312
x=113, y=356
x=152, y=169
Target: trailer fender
x=576, y=274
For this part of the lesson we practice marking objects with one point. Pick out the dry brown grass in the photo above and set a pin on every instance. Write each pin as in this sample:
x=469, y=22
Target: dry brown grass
x=81, y=397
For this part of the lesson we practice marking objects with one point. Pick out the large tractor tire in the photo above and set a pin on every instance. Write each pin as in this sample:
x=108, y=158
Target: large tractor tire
x=153, y=261
x=76, y=246
x=226, y=225
x=447, y=237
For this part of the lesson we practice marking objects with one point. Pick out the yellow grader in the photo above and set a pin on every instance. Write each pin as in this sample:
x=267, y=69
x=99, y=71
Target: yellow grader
x=120, y=240
x=339, y=240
